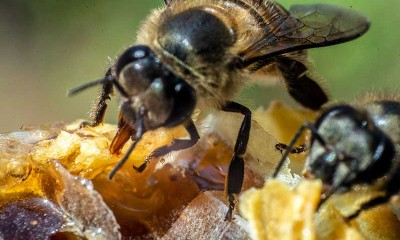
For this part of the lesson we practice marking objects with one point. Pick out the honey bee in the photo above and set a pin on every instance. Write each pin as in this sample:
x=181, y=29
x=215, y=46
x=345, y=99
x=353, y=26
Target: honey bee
x=353, y=145
x=197, y=54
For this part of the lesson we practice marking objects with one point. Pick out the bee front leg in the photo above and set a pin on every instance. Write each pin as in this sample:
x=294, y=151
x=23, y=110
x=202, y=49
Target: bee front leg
x=176, y=145
x=101, y=105
x=235, y=175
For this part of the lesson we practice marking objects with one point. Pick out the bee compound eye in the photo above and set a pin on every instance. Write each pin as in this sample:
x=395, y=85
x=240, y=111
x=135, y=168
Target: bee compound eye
x=140, y=51
x=132, y=54
x=325, y=166
x=184, y=98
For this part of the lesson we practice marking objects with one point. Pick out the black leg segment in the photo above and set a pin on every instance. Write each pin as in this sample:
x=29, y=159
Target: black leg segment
x=301, y=87
x=392, y=189
x=176, y=145
x=235, y=175
x=373, y=203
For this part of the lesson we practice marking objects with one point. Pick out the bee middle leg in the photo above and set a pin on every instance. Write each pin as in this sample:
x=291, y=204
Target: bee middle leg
x=176, y=145
x=235, y=175
x=101, y=105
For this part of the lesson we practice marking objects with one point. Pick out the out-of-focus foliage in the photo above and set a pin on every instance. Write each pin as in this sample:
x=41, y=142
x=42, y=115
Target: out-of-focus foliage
x=49, y=46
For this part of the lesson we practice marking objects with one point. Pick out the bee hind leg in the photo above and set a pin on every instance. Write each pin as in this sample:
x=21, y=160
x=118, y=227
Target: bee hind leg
x=176, y=145
x=300, y=86
x=234, y=180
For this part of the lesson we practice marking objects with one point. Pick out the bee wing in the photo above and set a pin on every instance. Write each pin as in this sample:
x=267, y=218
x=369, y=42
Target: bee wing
x=304, y=26
x=288, y=33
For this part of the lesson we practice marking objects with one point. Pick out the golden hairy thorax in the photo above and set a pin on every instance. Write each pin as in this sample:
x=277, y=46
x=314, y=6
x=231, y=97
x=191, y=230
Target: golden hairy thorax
x=218, y=80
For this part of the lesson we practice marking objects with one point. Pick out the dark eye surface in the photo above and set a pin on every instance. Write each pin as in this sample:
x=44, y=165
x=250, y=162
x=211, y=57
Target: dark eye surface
x=325, y=166
x=132, y=54
x=137, y=68
x=184, y=98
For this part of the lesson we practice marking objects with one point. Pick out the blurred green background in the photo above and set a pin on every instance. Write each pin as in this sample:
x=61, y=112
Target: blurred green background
x=49, y=46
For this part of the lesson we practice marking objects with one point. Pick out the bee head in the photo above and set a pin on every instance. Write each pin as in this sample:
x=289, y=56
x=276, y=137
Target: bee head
x=145, y=82
x=353, y=149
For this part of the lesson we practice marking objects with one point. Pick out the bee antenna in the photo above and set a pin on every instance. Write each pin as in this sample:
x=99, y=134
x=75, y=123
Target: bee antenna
x=107, y=79
x=85, y=86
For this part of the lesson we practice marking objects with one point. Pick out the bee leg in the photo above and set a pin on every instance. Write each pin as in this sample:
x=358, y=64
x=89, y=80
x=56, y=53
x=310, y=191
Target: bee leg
x=373, y=203
x=392, y=189
x=176, y=145
x=301, y=87
x=289, y=147
x=235, y=175
x=295, y=150
x=101, y=105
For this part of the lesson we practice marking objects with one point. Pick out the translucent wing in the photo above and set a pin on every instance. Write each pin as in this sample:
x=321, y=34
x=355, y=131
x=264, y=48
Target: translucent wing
x=304, y=26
